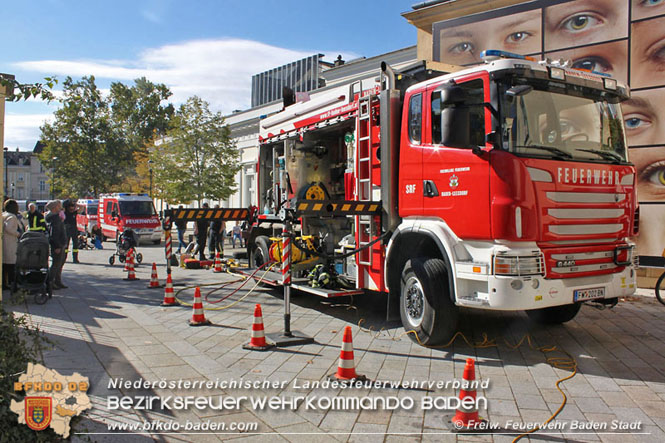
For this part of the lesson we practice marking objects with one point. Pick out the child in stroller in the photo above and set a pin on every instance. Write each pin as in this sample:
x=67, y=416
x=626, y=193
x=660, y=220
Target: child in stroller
x=127, y=240
x=31, y=269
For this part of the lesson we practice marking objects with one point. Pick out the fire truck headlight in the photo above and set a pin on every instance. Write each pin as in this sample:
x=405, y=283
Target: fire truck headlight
x=519, y=265
x=516, y=285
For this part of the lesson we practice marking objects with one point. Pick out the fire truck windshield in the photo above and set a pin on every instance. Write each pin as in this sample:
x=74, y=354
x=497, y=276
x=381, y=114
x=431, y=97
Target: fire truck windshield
x=92, y=210
x=539, y=122
x=143, y=208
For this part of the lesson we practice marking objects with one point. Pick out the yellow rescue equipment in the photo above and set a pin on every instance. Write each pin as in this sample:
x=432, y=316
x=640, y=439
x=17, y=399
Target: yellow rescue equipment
x=297, y=255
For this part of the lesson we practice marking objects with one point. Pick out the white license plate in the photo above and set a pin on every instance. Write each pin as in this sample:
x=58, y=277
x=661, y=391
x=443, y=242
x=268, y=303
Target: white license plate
x=588, y=294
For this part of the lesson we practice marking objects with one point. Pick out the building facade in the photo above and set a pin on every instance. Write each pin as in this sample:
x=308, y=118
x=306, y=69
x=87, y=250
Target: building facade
x=25, y=177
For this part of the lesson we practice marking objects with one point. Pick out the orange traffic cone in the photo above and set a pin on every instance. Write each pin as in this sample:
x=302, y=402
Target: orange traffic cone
x=466, y=418
x=198, y=317
x=131, y=275
x=154, y=280
x=169, y=298
x=128, y=257
x=257, y=341
x=346, y=369
x=218, y=264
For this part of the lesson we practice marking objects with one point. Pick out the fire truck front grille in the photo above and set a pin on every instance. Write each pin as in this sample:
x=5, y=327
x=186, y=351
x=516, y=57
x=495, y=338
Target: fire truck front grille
x=585, y=217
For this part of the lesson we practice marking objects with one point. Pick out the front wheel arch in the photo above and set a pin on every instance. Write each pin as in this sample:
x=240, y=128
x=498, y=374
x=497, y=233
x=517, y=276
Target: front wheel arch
x=407, y=245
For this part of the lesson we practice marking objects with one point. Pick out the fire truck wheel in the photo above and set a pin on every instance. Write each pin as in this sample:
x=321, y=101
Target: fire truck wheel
x=260, y=251
x=555, y=314
x=425, y=305
x=156, y=242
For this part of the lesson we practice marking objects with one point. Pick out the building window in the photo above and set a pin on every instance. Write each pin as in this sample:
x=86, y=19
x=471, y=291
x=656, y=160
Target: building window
x=20, y=176
x=42, y=186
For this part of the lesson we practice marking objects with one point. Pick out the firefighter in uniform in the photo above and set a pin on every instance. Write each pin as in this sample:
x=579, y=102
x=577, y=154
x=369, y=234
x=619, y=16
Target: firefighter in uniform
x=35, y=219
x=71, y=230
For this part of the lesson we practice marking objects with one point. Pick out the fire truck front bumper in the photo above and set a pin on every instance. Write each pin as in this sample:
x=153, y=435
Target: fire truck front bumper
x=533, y=292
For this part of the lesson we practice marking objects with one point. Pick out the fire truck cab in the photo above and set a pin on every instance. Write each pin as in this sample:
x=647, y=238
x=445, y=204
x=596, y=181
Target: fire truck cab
x=126, y=210
x=504, y=186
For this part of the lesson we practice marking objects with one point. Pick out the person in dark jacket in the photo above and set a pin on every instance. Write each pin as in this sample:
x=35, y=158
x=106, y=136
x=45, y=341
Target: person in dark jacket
x=181, y=225
x=71, y=230
x=58, y=240
x=216, y=237
x=201, y=232
x=36, y=220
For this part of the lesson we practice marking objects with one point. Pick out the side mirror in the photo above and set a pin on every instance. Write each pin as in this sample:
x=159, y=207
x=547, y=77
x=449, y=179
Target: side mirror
x=519, y=90
x=453, y=95
x=455, y=129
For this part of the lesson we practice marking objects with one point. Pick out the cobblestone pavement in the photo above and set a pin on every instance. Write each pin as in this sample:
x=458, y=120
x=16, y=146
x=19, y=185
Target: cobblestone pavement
x=106, y=328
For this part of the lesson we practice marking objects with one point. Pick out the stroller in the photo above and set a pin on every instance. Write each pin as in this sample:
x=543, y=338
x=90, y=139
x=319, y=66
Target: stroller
x=32, y=272
x=127, y=240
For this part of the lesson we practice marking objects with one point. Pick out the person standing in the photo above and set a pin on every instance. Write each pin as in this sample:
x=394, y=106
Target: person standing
x=71, y=230
x=58, y=240
x=216, y=237
x=201, y=232
x=181, y=225
x=236, y=234
x=13, y=229
x=35, y=219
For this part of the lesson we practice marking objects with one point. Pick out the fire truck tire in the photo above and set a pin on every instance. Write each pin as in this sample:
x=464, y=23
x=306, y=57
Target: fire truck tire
x=555, y=314
x=425, y=305
x=260, y=254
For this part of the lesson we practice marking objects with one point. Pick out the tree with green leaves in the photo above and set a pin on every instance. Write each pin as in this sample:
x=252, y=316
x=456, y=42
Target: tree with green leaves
x=100, y=144
x=84, y=147
x=197, y=159
x=139, y=115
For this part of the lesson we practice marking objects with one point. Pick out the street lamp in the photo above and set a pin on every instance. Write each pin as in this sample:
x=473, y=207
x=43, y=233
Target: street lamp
x=150, y=170
x=53, y=159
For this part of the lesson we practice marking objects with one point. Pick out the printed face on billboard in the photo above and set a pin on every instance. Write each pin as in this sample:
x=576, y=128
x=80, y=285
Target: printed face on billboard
x=622, y=38
x=520, y=33
x=647, y=48
x=608, y=58
x=642, y=9
x=583, y=22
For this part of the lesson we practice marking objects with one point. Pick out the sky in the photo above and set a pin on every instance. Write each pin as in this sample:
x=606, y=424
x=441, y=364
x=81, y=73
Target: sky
x=197, y=47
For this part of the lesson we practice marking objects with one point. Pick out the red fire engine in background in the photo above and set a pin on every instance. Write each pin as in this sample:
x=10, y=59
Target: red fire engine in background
x=87, y=215
x=123, y=210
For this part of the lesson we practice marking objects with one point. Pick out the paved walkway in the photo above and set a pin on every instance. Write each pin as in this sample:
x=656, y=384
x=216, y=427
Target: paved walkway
x=106, y=328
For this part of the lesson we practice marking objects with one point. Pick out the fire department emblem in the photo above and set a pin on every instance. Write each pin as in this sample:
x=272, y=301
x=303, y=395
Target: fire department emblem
x=454, y=181
x=38, y=412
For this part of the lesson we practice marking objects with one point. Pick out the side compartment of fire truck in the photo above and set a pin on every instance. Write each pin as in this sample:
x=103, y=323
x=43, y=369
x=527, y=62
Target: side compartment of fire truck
x=318, y=164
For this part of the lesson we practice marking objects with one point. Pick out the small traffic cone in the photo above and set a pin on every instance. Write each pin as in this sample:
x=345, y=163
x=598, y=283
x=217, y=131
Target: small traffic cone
x=218, y=264
x=131, y=275
x=198, y=317
x=257, y=341
x=128, y=257
x=154, y=280
x=346, y=369
x=169, y=298
x=466, y=418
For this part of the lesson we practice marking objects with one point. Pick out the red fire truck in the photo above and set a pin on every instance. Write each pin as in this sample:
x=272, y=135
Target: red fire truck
x=504, y=186
x=87, y=215
x=129, y=210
